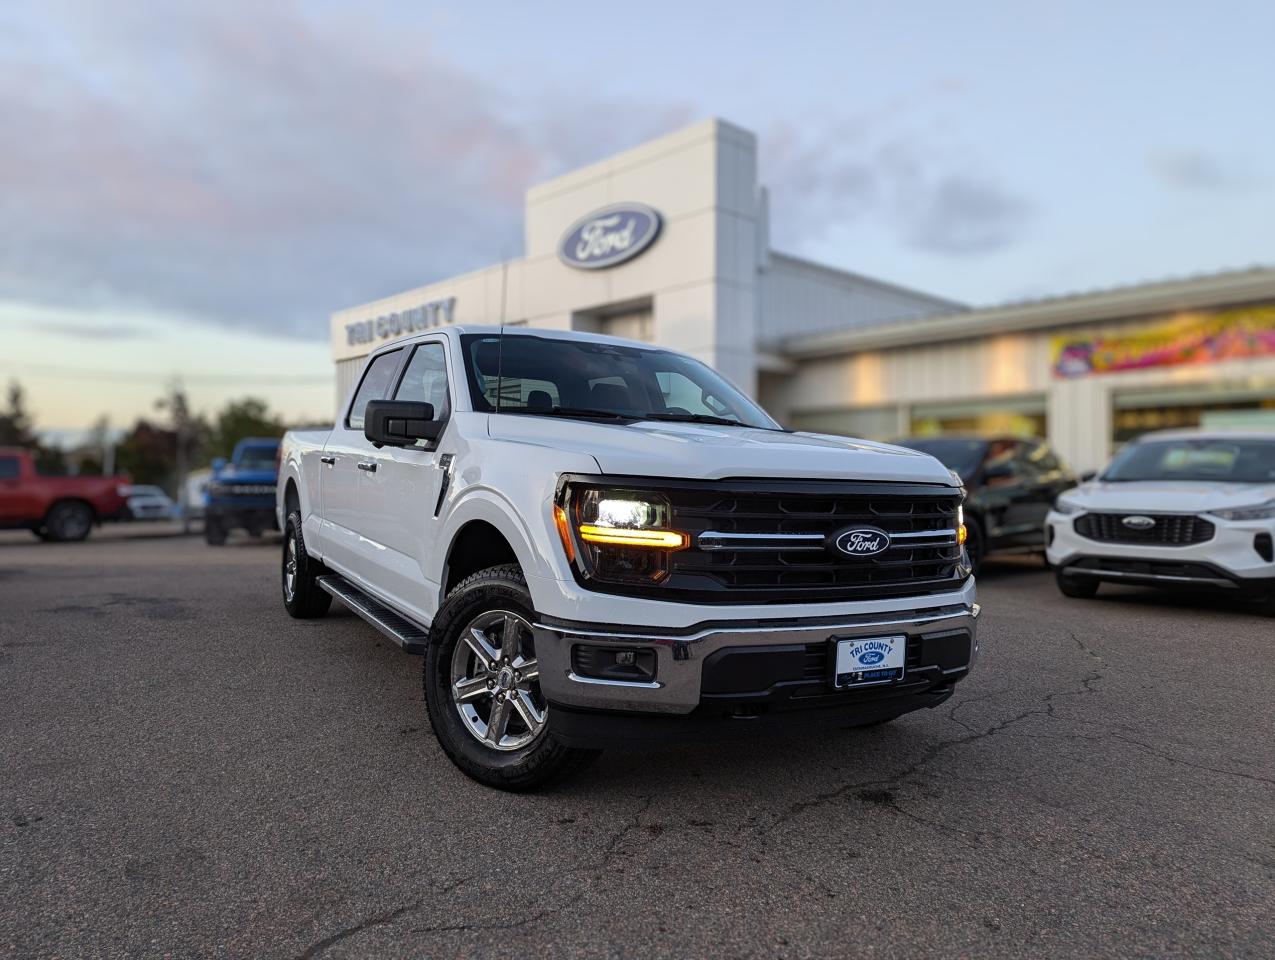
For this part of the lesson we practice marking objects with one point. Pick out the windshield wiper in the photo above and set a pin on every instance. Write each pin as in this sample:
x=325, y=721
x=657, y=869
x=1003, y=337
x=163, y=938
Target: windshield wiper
x=693, y=418
x=574, y=412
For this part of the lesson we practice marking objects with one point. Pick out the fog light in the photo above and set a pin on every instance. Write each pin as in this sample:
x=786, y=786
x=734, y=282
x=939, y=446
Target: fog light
x=962, y=534
x=610, y=663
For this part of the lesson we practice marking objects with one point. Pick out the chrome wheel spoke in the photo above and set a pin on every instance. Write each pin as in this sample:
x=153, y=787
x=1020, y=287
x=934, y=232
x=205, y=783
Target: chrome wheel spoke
x=471, y=689
x=498, y=721
x=528, y=670
x=531, y=715
x=510, y=638
x=476, y=640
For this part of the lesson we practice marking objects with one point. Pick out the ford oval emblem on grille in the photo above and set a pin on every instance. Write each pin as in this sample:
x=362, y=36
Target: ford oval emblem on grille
x=862, y=541
x=1138, y=522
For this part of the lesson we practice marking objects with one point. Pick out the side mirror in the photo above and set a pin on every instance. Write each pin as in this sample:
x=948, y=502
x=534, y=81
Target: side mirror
x=218, y=464
x=400, y=423
x=1088, y=475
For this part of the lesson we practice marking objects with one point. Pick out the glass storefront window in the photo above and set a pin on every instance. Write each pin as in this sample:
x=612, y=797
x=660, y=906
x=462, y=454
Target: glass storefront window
x=1017, y=417
x=1136, y=413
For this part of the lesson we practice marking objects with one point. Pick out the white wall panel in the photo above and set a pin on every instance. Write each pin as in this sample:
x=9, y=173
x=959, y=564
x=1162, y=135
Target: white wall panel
x=799, y=298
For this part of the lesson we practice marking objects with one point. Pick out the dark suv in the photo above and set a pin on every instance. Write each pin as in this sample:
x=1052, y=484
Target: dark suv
x=1011, y=484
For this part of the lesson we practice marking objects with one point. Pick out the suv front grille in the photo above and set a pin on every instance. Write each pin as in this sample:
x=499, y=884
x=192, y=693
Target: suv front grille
x=777, y=541
x=1169, y=530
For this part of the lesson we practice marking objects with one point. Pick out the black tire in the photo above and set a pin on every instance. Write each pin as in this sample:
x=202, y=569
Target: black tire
x=68, y=521
x=499, y=593
x=975, y=542
x=214, y=532
x=1085, y=588
x=1267, y=606
x=303, y=598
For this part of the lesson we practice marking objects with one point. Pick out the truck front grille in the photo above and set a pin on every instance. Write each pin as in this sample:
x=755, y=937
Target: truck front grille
x=752, y=542
x=1167, y=530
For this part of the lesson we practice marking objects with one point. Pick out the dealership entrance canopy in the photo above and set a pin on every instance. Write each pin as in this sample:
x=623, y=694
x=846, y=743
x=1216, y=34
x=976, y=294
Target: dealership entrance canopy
x=668, y=243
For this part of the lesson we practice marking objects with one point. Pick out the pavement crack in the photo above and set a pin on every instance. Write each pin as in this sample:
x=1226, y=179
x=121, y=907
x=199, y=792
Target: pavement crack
x=597, y=869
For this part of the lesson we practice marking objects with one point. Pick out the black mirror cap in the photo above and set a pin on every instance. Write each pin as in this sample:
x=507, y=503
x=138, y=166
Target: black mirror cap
x=1088, y=475
x=400, y=423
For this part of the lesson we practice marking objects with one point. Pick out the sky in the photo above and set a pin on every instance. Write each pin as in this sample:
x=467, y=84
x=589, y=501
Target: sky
x=187, y=191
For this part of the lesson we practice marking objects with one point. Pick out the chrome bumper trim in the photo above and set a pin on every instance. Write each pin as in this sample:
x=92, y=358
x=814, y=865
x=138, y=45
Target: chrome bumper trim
x=680, y=657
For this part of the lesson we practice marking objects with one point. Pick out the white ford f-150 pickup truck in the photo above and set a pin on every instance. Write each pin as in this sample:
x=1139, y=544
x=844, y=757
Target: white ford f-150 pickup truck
x=594, y=541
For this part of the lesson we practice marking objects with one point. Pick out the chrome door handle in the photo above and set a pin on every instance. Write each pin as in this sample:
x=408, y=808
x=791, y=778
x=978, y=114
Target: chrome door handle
x=368, y=465
x=328, y=460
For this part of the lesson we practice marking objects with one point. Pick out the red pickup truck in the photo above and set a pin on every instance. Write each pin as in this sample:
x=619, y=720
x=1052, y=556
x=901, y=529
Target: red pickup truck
x=55, y=508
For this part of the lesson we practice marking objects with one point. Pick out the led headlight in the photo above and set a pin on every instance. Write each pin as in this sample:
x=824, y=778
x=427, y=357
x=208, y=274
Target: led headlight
x=1257, y=511
x=1065, y=506
x=622, y=535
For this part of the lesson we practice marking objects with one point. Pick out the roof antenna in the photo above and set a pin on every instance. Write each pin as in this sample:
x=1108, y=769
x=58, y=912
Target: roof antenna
x=500, y=340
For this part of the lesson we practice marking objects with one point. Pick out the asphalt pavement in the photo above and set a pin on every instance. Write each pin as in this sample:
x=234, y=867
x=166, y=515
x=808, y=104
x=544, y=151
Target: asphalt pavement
x=186, y=772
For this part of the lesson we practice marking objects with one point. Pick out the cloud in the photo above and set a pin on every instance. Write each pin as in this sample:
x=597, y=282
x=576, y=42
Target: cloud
x=91, y=331
x=252, y=166
x=960, y=215
x=1189, y=170
x=860, y=173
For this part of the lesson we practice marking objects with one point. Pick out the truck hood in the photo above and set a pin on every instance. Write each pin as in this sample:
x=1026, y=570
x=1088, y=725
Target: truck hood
x=231, y=475
x=1168, y=496
x=707, y=452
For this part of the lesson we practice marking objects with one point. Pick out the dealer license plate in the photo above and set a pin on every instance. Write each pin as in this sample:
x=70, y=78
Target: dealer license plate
x=866, y=661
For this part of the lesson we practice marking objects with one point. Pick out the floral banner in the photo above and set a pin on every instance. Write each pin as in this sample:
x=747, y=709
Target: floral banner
x=1199, y=338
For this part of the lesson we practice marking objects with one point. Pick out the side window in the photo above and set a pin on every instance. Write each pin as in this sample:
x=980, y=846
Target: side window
x=8, y=468
x=376, y=383
x=425, y=379
x=1004, y=459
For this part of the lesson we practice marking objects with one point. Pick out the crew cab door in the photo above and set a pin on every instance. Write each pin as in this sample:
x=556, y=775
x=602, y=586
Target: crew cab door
x=343, y=468
x=398, y=503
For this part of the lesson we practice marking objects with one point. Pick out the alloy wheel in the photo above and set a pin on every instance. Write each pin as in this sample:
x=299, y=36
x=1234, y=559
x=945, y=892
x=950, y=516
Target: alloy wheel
x=495, y=681
x=290, y=569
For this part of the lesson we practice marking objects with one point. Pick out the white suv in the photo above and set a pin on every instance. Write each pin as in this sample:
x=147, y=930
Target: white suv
x=1176, y=509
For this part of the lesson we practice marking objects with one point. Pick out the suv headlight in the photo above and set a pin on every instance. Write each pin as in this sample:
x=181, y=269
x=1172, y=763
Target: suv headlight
x=622, y=536
x=1065, y=506
x=1258, y=511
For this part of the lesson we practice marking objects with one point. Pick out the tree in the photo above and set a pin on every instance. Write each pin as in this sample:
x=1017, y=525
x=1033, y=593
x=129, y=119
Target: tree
x=15, y=422
x=249, y=417
x=147, y=453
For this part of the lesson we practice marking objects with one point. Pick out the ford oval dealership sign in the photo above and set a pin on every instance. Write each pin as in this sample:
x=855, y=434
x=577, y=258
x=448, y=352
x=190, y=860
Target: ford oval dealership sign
x=609, y=236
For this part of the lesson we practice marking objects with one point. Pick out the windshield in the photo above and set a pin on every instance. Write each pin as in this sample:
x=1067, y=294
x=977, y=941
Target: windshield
x=1234, y=461
x=602, y=381
x=145, y=492
x=256, y=458
x=963, y=456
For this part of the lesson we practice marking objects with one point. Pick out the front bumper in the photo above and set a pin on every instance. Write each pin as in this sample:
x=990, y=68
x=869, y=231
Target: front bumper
x=1231, y=559
x=751, y=669
x=250, y=516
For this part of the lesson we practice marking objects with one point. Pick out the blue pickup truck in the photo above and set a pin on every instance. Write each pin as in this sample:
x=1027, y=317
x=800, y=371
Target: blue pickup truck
x=240, y=494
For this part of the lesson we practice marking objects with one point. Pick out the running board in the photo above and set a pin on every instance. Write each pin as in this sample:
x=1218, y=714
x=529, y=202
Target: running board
x=410, y=637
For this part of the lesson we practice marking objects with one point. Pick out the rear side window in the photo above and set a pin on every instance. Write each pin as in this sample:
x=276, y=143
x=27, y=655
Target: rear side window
x=375, y=385
x=425, y=379
x=8, y=468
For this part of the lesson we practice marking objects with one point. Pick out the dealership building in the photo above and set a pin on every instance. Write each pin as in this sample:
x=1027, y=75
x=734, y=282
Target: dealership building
x=668, y=243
